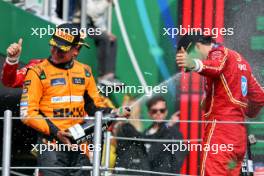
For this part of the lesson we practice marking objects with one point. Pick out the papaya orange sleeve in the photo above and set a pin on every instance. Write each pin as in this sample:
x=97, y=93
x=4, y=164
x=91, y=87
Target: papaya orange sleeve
x=94, y=92
x=29, y=104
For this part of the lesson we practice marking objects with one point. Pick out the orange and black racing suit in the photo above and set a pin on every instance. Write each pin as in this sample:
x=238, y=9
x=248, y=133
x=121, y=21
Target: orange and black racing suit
x=53, y=91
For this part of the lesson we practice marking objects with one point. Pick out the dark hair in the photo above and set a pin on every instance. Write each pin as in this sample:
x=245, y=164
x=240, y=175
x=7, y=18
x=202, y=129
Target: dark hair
x=154, y=100
x=188, y=40
x=206, y=40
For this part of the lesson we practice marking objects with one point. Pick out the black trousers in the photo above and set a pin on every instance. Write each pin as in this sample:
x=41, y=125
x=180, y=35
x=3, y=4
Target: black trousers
x=63, y=159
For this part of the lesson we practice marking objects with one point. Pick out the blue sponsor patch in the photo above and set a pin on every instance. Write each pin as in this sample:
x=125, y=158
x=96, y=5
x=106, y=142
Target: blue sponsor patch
x=58, y=81
x=216, y=45
x=78, y=81
x=25, y=90
x=244, y=86
x=23, y=103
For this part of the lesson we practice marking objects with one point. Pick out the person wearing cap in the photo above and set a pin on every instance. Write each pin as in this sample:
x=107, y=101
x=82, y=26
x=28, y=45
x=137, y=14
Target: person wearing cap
x=53, y=99
x=230, y=90
x=13, y=77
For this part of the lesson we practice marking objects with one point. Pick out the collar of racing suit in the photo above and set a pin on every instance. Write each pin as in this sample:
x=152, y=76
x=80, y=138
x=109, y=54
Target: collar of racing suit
x=216, y=45
x=66, y=65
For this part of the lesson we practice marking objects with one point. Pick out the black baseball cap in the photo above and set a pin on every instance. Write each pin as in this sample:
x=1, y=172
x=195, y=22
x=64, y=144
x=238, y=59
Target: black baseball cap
x=66, y=36
x=189, y=40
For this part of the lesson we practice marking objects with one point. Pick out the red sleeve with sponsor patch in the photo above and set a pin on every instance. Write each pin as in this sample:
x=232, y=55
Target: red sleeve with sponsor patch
x=9, y=74
x=214, y=64
x=12, y=77
x=255, y=97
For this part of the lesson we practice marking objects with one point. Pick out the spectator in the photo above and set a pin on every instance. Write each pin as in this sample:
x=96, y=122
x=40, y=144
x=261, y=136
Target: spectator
x=160, y=160
x=130, y=154
x=150, y=155
x=106, y=42
x=72, y=6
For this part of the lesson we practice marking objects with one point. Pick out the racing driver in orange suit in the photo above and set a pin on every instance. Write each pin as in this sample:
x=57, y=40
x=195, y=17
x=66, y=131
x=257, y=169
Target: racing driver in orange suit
x=231, y=91
x=53, y=98
x=13, y=77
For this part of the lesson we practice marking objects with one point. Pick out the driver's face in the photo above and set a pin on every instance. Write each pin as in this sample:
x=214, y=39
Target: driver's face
x=76, y=51
x=202, y=50
x=60, y=56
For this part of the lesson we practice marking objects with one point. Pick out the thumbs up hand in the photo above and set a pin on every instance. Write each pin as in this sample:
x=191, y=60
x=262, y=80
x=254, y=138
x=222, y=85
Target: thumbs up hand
x=14, y=51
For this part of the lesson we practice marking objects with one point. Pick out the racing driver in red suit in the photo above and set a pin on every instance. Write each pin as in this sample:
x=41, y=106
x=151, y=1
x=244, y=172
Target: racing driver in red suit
x=14, y=77
x=231, y=91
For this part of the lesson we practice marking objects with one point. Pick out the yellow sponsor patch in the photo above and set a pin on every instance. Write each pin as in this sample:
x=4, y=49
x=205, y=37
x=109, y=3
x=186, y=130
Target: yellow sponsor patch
x=65, y=36
x=63, y=48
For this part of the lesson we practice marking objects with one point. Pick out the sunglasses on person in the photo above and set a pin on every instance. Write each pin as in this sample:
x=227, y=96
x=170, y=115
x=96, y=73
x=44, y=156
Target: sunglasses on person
x=155, y=111
x=58, y=50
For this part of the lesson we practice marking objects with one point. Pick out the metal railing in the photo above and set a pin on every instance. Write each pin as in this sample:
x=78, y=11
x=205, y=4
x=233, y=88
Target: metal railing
x=47, y=12
x=97, y=169
x=7, y=146
x=97, y=142
x=7, y=143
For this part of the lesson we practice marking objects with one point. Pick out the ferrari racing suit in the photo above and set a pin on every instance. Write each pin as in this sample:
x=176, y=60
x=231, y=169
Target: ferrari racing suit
x=230, y=88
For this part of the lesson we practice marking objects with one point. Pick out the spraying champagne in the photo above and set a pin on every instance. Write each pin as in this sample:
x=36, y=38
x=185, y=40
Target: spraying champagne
x=84, y=132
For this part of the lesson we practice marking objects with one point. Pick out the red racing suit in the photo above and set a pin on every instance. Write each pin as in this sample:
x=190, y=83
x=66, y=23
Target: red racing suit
x=230, y=89
x=14, y=77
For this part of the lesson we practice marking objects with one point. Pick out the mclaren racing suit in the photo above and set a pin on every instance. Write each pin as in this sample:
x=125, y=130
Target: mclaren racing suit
x=57, y=91
x=14, y=77
x=230, y=87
